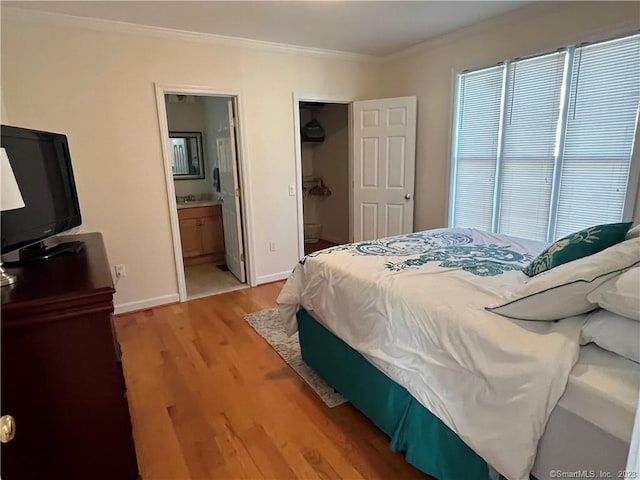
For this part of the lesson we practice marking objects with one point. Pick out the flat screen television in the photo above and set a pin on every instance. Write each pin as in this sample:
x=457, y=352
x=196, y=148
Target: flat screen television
x=42, y=167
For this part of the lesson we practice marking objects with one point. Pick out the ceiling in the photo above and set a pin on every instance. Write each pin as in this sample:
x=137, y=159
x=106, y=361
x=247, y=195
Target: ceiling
x=363, y=27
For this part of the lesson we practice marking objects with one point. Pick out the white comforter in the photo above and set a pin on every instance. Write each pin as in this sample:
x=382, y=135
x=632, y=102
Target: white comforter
x=413, y=305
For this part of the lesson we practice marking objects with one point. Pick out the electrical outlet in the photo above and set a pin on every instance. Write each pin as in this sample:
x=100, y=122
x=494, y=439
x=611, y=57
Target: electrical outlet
x=292, y=190
x=272, y=246
x=120, y=270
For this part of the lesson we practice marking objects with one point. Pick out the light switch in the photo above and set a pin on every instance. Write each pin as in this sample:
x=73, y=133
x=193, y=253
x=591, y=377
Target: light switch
x=292, y=190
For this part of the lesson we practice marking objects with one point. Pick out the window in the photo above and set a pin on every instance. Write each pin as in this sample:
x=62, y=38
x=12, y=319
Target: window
x=542, y=146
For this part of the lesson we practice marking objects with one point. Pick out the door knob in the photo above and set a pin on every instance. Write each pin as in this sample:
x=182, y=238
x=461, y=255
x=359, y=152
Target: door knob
x=407, y=196
x=7, y=428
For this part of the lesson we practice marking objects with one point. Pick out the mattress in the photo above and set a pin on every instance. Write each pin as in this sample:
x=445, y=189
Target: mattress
x=590, y=428
x=603, y=389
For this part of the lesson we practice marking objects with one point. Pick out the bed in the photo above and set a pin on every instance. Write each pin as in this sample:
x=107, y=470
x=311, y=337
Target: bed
x=399, y=326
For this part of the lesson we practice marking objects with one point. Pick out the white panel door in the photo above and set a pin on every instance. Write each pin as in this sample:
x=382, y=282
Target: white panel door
x=230, y=194
x=384, y=150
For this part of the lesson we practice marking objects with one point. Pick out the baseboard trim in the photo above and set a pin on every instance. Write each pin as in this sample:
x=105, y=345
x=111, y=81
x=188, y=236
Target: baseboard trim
x=273, y=277
x=148, y=303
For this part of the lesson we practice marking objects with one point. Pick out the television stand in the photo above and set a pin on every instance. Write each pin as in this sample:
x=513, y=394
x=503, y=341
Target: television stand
x=40, y=251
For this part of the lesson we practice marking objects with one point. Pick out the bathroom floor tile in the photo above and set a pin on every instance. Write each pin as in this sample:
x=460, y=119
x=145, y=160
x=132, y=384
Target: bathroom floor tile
x=208, y=279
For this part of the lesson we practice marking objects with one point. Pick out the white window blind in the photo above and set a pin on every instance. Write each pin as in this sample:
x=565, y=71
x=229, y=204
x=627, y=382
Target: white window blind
x=531, y=124
x=601, y=124
x=478, y=119
x=549, y=153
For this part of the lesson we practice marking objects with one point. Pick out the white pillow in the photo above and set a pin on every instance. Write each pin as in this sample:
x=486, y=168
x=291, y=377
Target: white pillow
x=634, y=232
x=562, y=291
x=621, y=294
x=613, y=332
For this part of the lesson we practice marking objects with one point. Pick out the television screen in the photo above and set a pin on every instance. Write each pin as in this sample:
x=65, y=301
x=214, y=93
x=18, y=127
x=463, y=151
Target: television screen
x=41, y=164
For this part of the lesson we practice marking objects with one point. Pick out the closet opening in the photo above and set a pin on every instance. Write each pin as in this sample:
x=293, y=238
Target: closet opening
x=324, y=139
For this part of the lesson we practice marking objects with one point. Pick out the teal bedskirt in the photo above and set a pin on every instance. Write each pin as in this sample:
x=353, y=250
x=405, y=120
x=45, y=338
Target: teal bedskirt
x=428, y=443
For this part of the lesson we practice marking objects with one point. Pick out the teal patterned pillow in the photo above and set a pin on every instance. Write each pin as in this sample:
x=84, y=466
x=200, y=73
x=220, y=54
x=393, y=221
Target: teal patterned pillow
x=578, y=245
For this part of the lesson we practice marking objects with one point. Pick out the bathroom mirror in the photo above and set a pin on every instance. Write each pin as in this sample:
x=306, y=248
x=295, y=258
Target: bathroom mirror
x=188, y=160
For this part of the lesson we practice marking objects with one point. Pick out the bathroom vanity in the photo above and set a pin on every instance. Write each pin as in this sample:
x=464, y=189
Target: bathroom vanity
x=201, y=232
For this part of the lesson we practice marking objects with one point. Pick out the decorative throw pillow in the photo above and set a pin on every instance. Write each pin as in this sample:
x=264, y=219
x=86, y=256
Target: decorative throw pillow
x=621, y=294
x=562, y=292
x=577, y=245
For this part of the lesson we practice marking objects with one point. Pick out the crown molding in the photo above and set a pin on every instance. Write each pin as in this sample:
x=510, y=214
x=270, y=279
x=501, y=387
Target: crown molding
x=97, y=24
x=525, y=11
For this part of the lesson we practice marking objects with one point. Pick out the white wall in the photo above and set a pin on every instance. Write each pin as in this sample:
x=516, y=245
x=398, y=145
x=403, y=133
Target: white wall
x=98, y=88
x=331, y=162
x=429, y=74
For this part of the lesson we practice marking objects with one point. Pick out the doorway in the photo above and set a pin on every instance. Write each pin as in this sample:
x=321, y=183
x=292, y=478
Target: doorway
x=203, y=165
x=378, y=198
x=324, y=175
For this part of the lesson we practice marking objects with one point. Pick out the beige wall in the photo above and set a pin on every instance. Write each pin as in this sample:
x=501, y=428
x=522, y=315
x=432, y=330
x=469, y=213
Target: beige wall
x=331, y=162
x=185, y=116
x=429, y=74
x=98, y=87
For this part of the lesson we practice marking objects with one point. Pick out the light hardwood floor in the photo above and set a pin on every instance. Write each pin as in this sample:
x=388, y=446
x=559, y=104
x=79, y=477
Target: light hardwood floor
x=210, y=399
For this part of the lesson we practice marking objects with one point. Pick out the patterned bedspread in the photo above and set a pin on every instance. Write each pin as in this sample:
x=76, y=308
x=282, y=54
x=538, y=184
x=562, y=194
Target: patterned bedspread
x=451, y=249
x=413, y=305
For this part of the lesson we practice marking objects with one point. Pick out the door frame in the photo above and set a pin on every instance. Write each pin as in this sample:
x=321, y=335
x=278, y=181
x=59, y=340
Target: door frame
x=163, y=89
x=300, y=97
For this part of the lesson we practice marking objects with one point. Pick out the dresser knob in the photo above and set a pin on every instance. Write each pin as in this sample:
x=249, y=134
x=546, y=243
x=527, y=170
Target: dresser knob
x=7, y=428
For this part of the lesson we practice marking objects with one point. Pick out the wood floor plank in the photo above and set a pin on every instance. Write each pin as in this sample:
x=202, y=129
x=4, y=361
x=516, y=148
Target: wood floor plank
x=266, y=454
x=211, y=399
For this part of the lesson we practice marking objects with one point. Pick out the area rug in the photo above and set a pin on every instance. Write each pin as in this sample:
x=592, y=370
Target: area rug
x=269, y=326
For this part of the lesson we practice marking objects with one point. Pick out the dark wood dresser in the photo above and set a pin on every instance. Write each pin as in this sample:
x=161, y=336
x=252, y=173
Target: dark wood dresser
x=62, y=378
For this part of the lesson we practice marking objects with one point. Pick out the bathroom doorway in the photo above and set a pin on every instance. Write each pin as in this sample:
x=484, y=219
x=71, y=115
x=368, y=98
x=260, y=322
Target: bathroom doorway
x=200, y=133
x=324, y=139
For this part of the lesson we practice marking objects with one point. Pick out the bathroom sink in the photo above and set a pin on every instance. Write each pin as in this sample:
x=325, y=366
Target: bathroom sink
x=197, y=203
